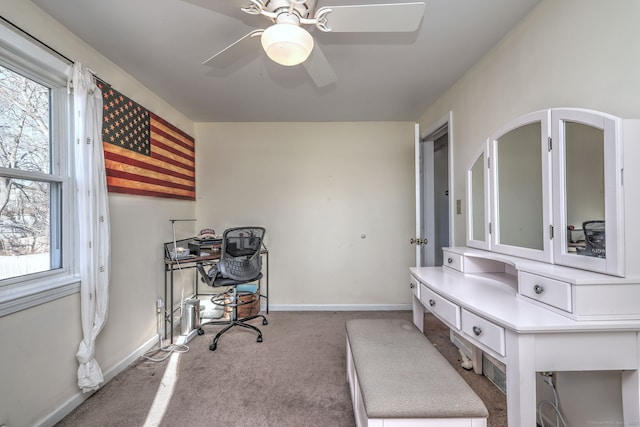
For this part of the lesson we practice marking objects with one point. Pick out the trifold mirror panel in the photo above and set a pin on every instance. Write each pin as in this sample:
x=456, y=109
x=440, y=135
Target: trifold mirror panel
x=548, y=187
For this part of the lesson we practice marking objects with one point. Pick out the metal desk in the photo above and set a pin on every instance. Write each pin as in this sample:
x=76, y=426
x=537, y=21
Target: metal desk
x=170, y=266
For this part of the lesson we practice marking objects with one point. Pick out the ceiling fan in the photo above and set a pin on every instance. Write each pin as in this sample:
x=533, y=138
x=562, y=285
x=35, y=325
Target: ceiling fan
x=288, y=43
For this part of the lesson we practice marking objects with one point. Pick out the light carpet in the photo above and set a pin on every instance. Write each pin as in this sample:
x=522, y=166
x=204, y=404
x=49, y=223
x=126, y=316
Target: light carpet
x=296, y=377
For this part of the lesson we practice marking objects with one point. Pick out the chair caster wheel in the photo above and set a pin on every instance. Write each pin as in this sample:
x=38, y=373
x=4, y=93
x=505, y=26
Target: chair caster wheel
x=200, y=331
x=212, y=347
x=264, y=322
x=259, y=338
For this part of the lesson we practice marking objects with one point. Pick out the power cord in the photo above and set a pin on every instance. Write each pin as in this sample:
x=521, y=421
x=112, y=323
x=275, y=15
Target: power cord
x=554, y=405
x=171, y=348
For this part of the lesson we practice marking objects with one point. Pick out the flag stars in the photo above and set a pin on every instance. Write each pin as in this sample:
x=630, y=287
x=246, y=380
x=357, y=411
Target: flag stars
x=126, y=123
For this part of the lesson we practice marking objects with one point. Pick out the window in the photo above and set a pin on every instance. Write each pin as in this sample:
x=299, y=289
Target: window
x=36, y=238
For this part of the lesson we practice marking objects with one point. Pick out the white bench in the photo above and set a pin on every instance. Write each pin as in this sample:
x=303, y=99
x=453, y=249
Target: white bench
x=397, y=378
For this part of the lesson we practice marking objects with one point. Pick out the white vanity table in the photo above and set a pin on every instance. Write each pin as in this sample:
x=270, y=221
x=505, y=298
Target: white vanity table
x=520, y=291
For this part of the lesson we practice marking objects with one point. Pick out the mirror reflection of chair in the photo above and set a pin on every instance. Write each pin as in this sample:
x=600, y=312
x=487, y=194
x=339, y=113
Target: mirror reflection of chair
x=239, y=267
x=594, y=239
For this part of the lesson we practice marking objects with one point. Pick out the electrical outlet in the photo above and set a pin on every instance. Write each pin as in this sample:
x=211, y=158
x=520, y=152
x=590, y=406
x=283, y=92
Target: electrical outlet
x=459, y=206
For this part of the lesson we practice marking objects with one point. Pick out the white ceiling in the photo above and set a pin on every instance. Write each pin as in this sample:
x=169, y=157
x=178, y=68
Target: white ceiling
x=381, y=76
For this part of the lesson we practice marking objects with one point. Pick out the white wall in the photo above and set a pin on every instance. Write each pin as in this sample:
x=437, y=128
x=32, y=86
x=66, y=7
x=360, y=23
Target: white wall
x=565, y=53
x=316, y=187
x=38, y=369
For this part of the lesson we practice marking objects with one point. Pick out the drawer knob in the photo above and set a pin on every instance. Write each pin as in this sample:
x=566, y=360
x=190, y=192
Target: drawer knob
x=538, y=289
x=432, y=303
x=477, y=330
x=449, y=260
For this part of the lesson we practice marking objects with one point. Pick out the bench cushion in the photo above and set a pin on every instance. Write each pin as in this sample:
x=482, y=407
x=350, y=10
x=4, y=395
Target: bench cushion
x=401, y=374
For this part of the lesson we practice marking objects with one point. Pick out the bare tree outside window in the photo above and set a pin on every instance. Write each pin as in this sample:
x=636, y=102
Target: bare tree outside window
x=25, y=165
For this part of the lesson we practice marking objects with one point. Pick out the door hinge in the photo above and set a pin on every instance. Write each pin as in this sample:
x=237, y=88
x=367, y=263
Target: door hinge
x=488, y=162
x=550, y=231
x=549, y=143
x=489, y=228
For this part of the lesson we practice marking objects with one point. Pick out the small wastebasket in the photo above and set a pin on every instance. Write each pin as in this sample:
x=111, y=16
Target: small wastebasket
x=190, y=319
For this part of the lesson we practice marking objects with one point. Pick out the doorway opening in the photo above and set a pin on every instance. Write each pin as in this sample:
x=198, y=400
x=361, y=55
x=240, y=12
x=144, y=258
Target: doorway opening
x=435, y=204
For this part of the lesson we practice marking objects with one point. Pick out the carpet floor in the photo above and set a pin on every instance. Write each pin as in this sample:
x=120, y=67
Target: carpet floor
x=295, y=378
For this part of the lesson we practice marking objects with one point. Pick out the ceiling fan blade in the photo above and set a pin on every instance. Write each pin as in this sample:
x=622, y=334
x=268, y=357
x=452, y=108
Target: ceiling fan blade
x=235, y=51
x=319, y=68
x=374, y=18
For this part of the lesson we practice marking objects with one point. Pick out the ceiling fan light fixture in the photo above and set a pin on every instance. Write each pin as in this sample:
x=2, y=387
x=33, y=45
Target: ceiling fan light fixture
x=287, y=44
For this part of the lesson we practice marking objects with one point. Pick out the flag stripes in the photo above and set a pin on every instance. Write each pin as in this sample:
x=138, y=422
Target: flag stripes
x=144, y=154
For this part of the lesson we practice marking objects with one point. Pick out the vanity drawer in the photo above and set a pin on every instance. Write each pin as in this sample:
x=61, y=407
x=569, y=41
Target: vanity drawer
x=452, y=260
x=444, y=309
x=484, y=331
x=549, y=291
x=415, y=287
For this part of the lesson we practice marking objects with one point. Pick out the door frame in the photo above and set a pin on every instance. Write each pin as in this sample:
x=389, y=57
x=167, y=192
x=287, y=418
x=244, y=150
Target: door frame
x=425, y=188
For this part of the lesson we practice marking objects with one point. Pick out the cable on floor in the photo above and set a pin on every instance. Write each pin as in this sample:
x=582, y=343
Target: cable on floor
x=171, y=348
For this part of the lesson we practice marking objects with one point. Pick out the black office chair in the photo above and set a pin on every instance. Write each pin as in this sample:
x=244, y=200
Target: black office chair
x=240, y=264
x=594, y=239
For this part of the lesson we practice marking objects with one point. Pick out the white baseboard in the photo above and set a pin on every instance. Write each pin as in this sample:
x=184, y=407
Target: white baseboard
x=340, y=307
x=75, y=401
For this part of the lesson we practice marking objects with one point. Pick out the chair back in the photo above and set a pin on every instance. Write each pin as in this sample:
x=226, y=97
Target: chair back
x=240, y=257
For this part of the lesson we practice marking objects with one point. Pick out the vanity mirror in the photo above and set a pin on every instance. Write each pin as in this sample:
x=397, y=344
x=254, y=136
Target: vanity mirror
x=478, y=203
x=548, y=187
x=587, y=190
x=520, y=168
x=584, y=189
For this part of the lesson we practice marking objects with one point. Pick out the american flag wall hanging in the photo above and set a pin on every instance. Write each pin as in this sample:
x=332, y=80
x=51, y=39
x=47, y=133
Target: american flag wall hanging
x=145, y=155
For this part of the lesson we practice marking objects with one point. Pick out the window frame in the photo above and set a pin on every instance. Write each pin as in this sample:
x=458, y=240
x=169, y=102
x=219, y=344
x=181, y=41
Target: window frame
x=29, y=58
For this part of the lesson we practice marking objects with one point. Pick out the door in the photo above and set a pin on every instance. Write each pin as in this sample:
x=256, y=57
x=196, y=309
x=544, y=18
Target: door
x=433, y=204
x=421, y=170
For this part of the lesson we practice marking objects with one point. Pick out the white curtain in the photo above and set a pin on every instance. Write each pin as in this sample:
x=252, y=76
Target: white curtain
x=92, y=219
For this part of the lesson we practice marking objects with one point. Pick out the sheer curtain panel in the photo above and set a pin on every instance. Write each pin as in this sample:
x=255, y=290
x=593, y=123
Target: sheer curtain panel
x=92, y=220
